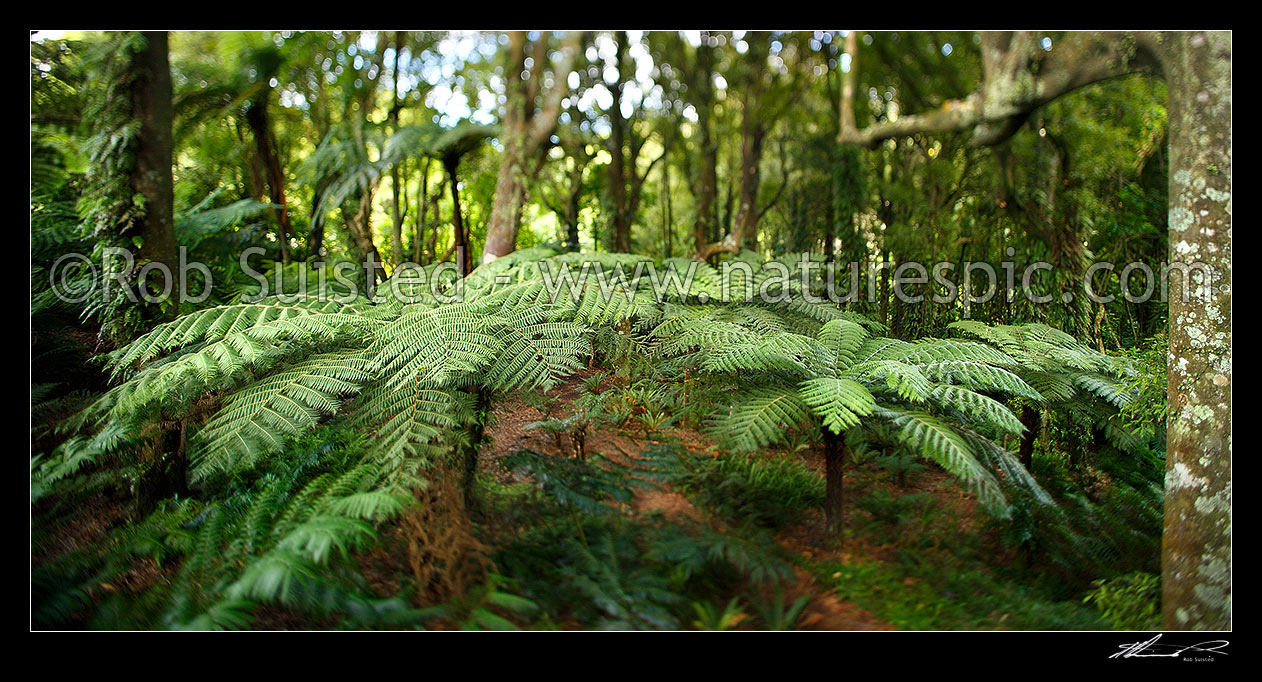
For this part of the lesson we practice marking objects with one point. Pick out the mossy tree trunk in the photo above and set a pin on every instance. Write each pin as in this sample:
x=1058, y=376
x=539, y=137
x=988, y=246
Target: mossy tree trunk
x=152, y=106
x=1196, y=545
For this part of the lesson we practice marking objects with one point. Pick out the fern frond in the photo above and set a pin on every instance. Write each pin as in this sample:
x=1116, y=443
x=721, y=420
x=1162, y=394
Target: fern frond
x=1116, y=393
x=784, y=352
x=212, y=323
x=433, y=345
x=979, y=376
x=904, y=380
x=987, y=410
x=761, y=418
x=405, y=422
x=257, y=420
x=536, y=352
x=933, y=439
x=843, y=339
x=841, y=402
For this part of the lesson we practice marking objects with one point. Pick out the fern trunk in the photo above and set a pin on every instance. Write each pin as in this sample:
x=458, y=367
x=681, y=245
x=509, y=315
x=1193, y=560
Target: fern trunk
x=834, y=494
x=167, y=473
x=469, y=459
x=1030, y=420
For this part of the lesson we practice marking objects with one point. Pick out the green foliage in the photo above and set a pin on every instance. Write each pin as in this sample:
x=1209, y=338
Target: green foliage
x=574, y=485
x=711, y=617
x=619, y=572
x=750, y=489
x=1146, y=413
x=283, y=538
x=302, y=425
x=1129, y=602
x=929, y=391
x=775, y=614
x=1081, y=540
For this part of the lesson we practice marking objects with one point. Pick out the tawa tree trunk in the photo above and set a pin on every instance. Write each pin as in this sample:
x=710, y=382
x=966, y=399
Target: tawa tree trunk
x=152, y=106
x=1196, y=545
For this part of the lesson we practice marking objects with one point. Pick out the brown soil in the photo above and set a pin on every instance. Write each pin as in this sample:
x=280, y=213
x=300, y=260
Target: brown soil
x=506, y=433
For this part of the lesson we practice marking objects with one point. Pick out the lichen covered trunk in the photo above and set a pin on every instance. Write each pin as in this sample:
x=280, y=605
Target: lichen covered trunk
x=1196, y=545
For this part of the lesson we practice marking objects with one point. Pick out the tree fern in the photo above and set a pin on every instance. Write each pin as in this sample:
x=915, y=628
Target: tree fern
x=842, y=403
x=257, y=420
x=761, y=417
x=535, y=351
x=433, y=344
x=937, y=441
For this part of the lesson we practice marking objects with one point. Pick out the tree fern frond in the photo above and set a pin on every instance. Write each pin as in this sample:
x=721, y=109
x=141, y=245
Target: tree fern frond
x=1006, y=464
x=257, y=420
x=209, y=324
x=782, y=352
x=934, y=350
x=979, y=376
x=370, y=505
x=904, y=380
x=405, y=422
x=319, y=536
x=841, y=402
x=761, y=418
x=432, y=345
x=843, y=339
x=936, y=441
x=1114, y=392
x=988, y=410
x=536, y=352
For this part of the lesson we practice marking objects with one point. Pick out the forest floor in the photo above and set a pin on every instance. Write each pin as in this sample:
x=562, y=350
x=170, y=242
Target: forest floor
x=916, y=553
x=508, y=433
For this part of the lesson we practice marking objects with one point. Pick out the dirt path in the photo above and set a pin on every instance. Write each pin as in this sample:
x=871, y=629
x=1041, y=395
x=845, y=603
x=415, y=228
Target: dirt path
x=507, y=433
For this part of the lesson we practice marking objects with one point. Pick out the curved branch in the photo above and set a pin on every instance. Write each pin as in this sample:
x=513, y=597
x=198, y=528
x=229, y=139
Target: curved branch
x=1019, y=78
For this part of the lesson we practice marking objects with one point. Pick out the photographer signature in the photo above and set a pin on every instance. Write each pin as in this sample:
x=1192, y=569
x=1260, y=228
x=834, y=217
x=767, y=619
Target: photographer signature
x=1151, y=649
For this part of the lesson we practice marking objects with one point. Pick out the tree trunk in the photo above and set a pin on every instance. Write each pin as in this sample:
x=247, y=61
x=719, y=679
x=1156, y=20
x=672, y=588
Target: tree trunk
x=526, y=127
x=705, y=184
x=1031, y=421
x=153, y=107
x=397, y=214
x=834, y=499
x=510, y=186
x=433, y=233
x=422, y=196
x=1196, y=545
x=668, y=229
x=461, y=245
x=359, y=226
x=745, y=234
x=618, y=155
x=265, y=151
x=574, y=202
